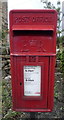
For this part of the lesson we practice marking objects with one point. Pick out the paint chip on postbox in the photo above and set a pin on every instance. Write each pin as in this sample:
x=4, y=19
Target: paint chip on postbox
x=32, y=80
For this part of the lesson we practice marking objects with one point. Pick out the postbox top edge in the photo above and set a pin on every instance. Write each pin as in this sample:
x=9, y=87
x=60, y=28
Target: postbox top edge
x=33, y=10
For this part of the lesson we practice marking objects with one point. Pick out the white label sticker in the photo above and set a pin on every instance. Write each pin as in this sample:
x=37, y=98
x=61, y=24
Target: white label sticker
x=32, y=80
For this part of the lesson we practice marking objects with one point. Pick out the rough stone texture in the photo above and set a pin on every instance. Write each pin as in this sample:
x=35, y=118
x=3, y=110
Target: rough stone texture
x=4, y=15
x=63, y=18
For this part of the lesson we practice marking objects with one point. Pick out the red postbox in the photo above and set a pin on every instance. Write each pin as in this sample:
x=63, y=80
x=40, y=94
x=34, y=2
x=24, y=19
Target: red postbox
x=33, y=52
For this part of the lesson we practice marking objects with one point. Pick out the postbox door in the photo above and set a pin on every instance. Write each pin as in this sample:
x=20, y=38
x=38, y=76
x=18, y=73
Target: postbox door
x=31, y=82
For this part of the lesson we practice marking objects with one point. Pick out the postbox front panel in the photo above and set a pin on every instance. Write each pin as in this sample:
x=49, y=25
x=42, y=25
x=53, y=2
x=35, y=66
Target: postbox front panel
x=31, y=82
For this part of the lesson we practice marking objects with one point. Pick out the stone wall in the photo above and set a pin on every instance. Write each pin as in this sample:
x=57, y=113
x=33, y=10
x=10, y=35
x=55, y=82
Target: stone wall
x=63, y=18
x=4, y=15
x=0, y=15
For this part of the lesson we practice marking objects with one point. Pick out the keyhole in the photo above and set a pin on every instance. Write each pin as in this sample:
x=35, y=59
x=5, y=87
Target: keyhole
x=20, y=83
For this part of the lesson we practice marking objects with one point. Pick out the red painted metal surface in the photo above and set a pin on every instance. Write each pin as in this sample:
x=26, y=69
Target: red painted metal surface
x=33, y=43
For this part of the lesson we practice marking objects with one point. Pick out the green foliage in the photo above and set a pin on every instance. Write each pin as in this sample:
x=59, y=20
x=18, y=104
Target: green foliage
x=62, y=61
x=12, y=115
x=4, y=33
x=4, y=51
x=0, y=35
x=59, y=55
x=58, y=41
x=62, y=40
x=6, y=96
x=58, y=10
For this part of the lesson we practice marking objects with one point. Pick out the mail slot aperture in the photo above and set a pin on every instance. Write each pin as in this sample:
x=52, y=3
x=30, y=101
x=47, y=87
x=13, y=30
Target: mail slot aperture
x=27, y=40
